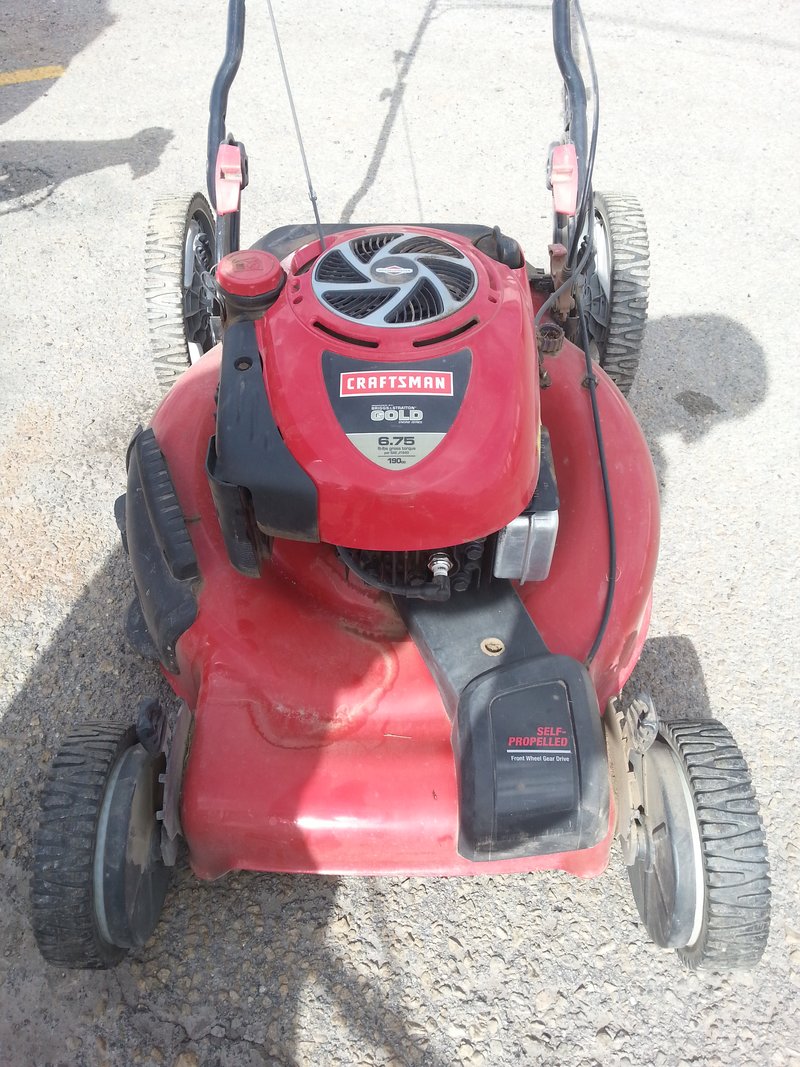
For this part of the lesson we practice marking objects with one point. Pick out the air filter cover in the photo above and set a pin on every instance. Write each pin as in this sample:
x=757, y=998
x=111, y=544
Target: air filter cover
x=394, y=279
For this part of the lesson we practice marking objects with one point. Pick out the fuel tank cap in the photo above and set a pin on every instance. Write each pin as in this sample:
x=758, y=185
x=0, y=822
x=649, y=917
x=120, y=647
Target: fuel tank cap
x=250, y=280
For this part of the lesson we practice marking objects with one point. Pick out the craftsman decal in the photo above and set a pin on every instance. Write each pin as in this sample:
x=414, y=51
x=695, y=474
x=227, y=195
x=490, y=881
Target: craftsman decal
x=396, y=414
x=396, y=383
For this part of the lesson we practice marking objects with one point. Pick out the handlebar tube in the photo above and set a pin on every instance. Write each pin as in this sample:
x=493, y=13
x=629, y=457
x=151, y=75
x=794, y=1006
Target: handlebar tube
x=573, y=82
x=218, y=106
x=576, y=127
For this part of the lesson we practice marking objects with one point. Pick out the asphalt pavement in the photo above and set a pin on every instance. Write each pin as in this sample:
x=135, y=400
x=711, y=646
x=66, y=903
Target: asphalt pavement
x=439, y=110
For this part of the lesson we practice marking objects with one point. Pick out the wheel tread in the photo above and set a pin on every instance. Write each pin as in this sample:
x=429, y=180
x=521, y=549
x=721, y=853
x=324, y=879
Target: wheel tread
x=736, y=867
x=163, y=264
x=620, y=349
x=61, y=889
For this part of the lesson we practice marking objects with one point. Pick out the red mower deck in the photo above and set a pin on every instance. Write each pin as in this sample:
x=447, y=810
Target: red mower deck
x=320, y=742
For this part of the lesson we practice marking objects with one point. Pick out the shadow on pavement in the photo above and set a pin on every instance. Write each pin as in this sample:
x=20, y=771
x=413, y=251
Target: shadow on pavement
x=696, y=372
x=403, y=62
x=30, y=171
x=670, y=670
x=40, y=33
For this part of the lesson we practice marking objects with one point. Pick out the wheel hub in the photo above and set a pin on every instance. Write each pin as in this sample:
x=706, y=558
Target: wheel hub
x=198, y=297
x=130, y=879
x=596, y=297
x=666, y=872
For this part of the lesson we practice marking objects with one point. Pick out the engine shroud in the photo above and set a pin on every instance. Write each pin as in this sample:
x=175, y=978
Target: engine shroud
x=415, y=414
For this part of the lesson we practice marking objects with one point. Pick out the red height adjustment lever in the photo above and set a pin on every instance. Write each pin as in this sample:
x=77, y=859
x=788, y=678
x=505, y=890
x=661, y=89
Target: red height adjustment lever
x=229, y=178
x=563, y=175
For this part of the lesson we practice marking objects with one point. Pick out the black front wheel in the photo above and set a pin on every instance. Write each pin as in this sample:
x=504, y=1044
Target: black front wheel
x=701, y=877
x=99, y=880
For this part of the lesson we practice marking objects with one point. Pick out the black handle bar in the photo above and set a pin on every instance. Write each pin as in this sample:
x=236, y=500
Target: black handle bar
x=218, y=106
x=234, y=44
x=573, y=83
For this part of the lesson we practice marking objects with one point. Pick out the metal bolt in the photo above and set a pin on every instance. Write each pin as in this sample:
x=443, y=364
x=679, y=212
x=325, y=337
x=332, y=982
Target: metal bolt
x=474, y=550
x=440, y=564
x=492, y=646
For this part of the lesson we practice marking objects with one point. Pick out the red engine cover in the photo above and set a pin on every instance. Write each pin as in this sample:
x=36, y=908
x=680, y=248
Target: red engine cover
x=416, y=436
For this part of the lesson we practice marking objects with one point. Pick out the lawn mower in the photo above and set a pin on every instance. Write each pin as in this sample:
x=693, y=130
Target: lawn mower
x=393, y=531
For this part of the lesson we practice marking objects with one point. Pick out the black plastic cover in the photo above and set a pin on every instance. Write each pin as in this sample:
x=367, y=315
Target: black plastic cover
x=248, y=455
x=449, y=635
x=163, y=560
x=531, y=759
x=235, y=515
x=501, y=248
x=527, y=736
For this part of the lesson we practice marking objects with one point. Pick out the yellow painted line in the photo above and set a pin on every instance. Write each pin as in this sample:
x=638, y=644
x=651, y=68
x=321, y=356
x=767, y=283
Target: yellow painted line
x=32, y=74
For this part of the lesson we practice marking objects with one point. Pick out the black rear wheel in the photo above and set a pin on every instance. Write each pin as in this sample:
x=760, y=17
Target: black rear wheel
x=99, y=880
x=617, y=285
x=701, y=879
x=181, y=310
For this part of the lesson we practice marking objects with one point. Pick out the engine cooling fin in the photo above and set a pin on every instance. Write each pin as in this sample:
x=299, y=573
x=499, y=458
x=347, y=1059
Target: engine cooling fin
x=394, y=279
x=337, y=269
x=360, y=304
x=422, y=304
x=457, y=278
x=432, y=246
x=364, y=248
